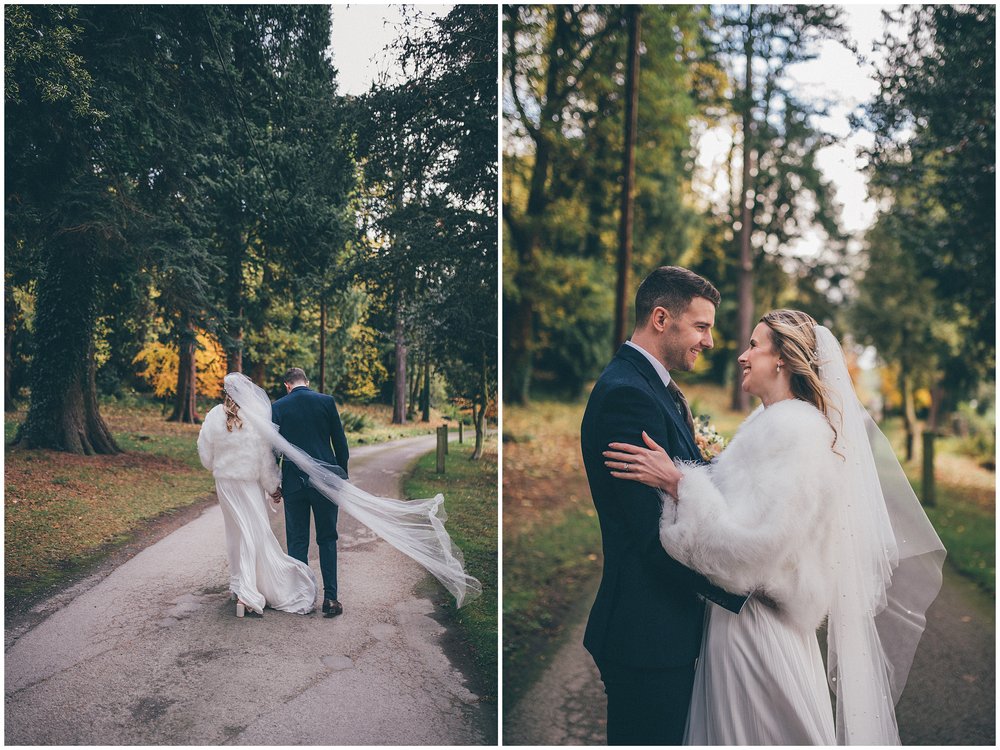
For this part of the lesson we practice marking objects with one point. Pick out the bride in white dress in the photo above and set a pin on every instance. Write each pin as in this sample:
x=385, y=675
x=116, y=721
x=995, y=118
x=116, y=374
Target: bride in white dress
x=239, y=443
x=809, y=507
x=246, y=475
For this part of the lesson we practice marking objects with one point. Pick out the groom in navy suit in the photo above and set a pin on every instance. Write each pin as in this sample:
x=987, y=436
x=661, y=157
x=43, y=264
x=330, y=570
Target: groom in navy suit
x=310, y=421
x=645, y=626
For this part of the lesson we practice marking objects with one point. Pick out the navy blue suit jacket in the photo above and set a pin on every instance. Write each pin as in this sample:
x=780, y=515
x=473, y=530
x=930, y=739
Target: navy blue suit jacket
x=310, y=421
x=647, y=613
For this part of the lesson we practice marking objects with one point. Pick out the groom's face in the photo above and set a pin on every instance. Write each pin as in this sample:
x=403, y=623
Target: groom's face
x=686, y=336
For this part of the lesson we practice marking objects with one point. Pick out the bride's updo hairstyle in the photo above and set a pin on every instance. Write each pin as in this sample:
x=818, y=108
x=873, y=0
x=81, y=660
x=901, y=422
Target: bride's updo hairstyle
x=793, y=335
x=232, y=410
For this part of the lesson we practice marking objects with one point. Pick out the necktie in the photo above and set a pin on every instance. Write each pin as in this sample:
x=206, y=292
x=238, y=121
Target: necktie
x=682, y=405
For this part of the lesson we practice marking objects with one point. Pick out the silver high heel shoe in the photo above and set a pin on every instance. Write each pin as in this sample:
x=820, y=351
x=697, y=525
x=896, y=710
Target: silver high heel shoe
x=241, y=608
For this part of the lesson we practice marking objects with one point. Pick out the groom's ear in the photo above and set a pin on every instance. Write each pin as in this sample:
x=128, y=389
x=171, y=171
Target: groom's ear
x=660, y=317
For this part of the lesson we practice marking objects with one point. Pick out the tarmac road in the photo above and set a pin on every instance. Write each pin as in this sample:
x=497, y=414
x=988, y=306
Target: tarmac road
x=153, y=654
x=949, y=699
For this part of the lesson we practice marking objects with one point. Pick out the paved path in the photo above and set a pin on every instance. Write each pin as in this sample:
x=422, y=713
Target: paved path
x=950, y=697
x=153, y=654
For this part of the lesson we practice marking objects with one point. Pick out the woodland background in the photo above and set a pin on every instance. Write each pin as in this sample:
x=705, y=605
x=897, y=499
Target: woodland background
x=187, y=194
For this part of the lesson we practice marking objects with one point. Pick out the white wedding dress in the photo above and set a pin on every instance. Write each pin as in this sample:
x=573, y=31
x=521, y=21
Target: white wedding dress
x=818, y=516
x=760, y=517
x=245, y=471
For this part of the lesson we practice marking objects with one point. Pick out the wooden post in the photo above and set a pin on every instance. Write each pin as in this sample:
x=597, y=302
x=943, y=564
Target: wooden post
x=461, y=422
x=444, y=429
x=928, y=469
x=442, y=444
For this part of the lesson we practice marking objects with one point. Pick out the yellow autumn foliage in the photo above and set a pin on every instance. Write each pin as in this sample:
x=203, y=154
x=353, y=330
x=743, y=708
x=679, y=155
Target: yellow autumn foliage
x=160, y=363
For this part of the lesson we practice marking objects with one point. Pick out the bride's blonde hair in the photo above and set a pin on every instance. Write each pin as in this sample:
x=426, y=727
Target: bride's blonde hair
x=793, y=335
x=232, y=410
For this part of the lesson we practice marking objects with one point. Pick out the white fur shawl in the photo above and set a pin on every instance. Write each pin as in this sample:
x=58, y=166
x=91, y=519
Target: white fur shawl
x=240, y=454
x=760, y=516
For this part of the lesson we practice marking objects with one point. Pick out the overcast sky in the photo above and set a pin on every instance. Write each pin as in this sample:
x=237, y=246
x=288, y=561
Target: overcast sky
x=359, y=38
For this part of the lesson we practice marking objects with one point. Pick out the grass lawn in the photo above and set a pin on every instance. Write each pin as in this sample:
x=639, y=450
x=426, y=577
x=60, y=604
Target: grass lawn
x=63, y=513
x=470, y=493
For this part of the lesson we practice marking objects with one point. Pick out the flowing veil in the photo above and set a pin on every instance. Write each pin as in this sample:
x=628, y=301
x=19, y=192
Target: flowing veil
x=889, y=568
x=414, y=527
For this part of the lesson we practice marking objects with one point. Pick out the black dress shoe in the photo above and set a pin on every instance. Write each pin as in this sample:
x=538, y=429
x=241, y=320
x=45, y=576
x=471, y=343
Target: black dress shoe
x=332, y=608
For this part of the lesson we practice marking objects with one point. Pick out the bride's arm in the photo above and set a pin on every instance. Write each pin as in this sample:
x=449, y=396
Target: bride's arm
x=206, y=449
x=270, y=475
x=782, y=477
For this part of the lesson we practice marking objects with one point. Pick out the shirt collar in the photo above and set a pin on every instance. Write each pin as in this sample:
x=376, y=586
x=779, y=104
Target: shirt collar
x=657, y=364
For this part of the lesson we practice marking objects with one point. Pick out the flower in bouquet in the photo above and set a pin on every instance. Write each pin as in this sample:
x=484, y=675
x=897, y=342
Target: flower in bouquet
x=708, y=440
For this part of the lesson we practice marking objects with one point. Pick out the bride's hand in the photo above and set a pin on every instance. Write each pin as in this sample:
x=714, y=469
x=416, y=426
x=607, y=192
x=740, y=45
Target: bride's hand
x=651, y=466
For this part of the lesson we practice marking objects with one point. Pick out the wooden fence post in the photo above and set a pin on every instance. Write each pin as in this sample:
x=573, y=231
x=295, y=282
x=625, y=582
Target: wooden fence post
x=461, y=422
x=444, y=429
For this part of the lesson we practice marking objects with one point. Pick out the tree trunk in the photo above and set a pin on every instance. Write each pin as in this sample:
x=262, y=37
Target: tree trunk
x=399, y=386
x=12, y=321
x=234, y=302
x=425, y=397
x=628, y=179
x=185, y=409
x=479, y=406
x=909, y=413
x=413, y=376
x=322, y=346
x=63, y=414
x=744, y=298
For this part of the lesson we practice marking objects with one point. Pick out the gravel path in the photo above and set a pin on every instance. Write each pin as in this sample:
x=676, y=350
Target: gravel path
x=950, y=697
x=153, y=654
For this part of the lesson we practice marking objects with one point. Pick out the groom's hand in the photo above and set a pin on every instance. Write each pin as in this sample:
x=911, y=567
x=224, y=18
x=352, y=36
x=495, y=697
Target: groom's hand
x=276, y=497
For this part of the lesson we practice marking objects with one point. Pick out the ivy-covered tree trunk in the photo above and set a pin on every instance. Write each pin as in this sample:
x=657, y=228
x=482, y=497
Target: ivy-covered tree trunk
x=185, y=409
x=13, y=321
x=64, y=413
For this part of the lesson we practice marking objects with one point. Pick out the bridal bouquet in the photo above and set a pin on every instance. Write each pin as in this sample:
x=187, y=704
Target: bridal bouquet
x=709, y=442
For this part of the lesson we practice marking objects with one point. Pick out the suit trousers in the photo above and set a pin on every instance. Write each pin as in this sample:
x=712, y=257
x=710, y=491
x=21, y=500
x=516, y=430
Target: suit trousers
x=647, y=706
x=297, y=507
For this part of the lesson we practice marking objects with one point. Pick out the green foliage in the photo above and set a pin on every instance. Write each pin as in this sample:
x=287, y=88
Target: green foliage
x=933, y=165
x=355, y=421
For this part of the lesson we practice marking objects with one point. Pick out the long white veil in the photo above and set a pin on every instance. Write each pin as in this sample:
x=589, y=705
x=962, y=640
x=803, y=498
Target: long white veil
x=889, y=568
x=414, y=527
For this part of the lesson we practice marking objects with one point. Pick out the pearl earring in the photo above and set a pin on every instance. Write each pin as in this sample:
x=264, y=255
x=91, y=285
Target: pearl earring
x=779, y=368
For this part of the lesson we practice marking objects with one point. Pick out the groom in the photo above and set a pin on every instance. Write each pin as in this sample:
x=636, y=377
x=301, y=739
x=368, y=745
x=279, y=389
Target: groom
x=310, y=421
x=645, y=627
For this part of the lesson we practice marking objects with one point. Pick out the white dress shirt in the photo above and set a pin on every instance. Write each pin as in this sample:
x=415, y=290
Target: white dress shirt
x=657, y=364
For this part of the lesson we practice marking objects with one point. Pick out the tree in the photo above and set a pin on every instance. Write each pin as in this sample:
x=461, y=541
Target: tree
x=781, y=188
x=932, y=166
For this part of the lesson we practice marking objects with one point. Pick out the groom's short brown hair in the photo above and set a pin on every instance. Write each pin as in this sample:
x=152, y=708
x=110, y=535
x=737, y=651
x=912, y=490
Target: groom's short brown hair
x=295, y=375
x=671, y=287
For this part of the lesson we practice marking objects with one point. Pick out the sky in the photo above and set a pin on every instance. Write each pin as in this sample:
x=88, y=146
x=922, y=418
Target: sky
x=359, y=38
x=835, y=76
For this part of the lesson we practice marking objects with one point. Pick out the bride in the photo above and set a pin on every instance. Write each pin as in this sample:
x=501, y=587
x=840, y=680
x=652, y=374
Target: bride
x=809, y=506
x=246, y=474
x=238, y=443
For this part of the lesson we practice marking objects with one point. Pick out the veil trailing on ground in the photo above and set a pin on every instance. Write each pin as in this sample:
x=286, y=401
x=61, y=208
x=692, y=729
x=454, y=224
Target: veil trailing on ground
x=889, y=568
x=414, y=527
